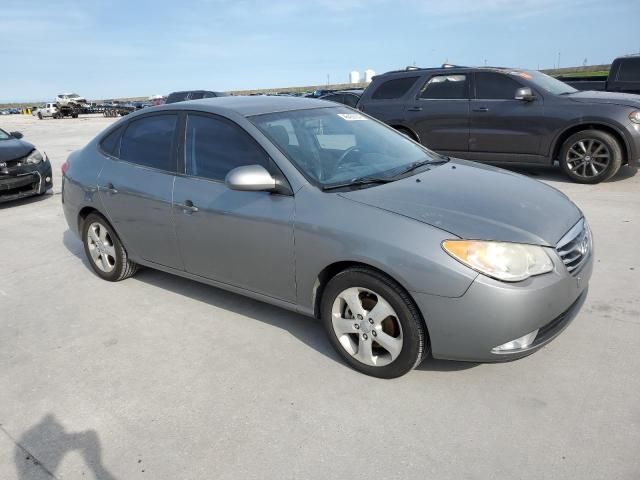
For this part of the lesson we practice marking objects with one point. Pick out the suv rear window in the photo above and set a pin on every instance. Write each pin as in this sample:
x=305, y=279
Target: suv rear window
x=395, y=88
x=629, y=70
x=441, y=87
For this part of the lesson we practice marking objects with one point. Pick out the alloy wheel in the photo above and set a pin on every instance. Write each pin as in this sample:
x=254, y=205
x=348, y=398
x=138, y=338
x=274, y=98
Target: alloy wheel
x=366, y=326
x=588, y=158
x=101, y=248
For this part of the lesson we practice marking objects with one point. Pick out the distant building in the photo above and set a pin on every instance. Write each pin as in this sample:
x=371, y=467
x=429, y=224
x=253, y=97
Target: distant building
x=368, y=75
x=354, y=77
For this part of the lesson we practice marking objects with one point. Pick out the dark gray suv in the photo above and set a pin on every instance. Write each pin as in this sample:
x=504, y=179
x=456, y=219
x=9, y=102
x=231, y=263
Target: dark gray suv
x=510, y=116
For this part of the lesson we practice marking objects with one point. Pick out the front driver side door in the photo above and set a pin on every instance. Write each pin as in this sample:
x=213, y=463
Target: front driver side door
x=239, y=238
x=500, y=124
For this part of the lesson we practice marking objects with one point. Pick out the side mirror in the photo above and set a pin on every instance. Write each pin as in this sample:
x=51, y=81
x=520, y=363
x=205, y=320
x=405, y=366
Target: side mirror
x=525, y=94
x=17, y=135
x=252, y=178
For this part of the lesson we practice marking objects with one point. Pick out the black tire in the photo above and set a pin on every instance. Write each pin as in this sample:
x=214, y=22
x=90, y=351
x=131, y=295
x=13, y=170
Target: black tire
x=415, y=341
x=39, y=115
x=123, y=267
x=609, y=142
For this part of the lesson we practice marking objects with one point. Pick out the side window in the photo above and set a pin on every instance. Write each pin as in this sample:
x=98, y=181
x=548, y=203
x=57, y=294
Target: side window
x=334, y=97
x=495, y=86
x=350, y=100
x=394, y=88
x=629, y=70
x=148, y=142
x=111, y=143
x=215, y=146
x=450, y=87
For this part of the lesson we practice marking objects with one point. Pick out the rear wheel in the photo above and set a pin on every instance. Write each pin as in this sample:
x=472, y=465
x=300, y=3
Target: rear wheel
x=39, y=115
x=373, y=324
x=105, y=251
x=591, y=156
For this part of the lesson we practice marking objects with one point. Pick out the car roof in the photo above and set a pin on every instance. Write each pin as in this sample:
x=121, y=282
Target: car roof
x=248, y=106
x=453, y=69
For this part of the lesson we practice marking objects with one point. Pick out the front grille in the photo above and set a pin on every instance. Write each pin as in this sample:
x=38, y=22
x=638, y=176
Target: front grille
x=11, y=166
x=575, y=247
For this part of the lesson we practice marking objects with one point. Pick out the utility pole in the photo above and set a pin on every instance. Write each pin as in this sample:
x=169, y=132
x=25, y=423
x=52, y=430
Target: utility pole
x=558, y=60
x=328, y=79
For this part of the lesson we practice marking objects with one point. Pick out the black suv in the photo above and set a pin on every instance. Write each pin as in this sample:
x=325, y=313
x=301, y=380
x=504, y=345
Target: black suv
x=175, y=97
x=509, y=116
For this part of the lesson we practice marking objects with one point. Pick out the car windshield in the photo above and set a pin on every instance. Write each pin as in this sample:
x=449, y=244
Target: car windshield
x=549, y=84
x=4, y=135
x=336, y=145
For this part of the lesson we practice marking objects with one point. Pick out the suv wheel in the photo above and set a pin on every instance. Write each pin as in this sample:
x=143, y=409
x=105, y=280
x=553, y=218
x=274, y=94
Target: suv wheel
x=373, y=324
x=591, y=156
x=105, y=252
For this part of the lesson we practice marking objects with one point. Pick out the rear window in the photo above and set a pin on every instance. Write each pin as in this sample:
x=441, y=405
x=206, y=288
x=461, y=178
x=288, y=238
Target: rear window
x=441, y=87
x=177, y=97
x=629, y=70
x=111, y=143
x=148, y=142
x=395, y=88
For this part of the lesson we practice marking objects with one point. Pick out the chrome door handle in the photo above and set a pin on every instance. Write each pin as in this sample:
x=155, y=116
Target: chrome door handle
x=414, y=109
x=481, y=109
x=187, y=207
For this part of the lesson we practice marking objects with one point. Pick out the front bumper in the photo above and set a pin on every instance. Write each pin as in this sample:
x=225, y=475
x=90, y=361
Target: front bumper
x=26, y=181
x=492, y=313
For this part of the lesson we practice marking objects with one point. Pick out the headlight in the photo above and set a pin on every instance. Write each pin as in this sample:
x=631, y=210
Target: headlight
x=509, y=262
x=34, y=157
x=635, y=116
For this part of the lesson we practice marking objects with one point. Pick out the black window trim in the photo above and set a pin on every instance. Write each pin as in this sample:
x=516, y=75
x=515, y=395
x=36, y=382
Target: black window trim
x=620, y=66
x=444, y=74
x=127, y=123
x=182, y=152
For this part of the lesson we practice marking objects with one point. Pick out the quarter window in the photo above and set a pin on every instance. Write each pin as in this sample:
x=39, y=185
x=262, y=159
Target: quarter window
x=449, y=87
x=495, y=86
x=149, y=141
x=214, y=147
x=111, y=143
x=394, y=88
x=629, y=70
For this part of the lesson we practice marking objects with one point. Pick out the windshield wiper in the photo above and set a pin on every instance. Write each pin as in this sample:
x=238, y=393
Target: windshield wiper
x=357, y=182
x=415, y=165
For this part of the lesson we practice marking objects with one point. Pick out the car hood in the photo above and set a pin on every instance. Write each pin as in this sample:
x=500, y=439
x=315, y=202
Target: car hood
x=14, y=148
x=614, y=98
x=476, y=201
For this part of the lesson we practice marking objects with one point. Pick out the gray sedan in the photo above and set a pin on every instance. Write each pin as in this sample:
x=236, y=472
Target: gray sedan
x=320, y=209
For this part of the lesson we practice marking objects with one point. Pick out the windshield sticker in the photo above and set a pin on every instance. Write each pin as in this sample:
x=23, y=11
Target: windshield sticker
x=351, y=117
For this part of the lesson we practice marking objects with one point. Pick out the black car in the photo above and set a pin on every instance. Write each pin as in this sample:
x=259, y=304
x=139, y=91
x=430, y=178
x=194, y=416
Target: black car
x=510, y=116
x=624, y=76
x=175, y=97
x=346, y=97
x=24, y=171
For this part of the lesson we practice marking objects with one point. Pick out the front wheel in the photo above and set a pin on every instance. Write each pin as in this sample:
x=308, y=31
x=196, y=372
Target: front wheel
x=105, y=251
x=591, y=156
x=373, y=324
x=39, y=116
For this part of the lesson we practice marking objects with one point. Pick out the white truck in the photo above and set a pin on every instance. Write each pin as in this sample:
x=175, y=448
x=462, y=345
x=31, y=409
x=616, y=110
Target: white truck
x=49, y=110
x=61, y=108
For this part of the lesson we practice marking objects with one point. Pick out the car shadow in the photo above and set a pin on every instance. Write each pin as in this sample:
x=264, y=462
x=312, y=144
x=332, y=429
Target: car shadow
x=27, y=200
x=308, y=330
x=41, y=449
x=555, y=174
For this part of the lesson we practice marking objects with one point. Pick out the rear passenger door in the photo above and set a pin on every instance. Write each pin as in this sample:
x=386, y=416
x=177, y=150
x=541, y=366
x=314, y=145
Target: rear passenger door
x=135, y=187
x=440, y=113
x=503, y=125
x=236, y=237
x=387, y=102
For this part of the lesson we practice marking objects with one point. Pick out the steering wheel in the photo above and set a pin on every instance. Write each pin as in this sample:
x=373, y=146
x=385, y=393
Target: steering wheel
x=344, y=156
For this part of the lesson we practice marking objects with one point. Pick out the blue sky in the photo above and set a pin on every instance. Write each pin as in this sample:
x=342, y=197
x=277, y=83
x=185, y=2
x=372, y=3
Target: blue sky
x=104, y=49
